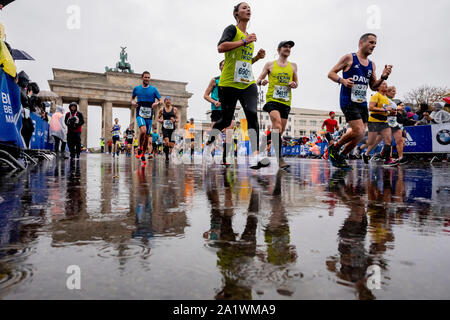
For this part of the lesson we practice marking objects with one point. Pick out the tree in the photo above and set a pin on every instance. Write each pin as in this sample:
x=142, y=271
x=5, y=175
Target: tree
x=425, y=94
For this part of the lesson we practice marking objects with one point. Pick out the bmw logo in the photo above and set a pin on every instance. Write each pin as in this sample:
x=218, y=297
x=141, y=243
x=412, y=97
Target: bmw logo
x=443, y=137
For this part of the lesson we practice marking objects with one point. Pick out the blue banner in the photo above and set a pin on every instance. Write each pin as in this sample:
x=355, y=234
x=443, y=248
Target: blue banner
x=418, y=139
x=39, y=140
x=10, y=115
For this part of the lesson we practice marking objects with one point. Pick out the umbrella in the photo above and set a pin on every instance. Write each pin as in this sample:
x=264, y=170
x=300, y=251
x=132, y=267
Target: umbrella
x=447, y=100
x=5, y=2
x=47, y=95
x=20, y=55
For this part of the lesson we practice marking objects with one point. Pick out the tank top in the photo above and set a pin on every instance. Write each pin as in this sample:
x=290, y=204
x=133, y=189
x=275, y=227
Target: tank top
x=237, y=69
x=360, y=75
x=279, y=90
x=116, y=130
x=167, y=123
x=215, y=94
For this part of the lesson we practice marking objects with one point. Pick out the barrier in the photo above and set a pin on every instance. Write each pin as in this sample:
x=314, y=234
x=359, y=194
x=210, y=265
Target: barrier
x=428, y=139
x=40, y=138
x=10, y=111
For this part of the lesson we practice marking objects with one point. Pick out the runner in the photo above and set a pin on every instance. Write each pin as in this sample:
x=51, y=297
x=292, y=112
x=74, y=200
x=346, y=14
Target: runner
x=269, y=140
x=331, y=126
x=115, y=136
x=395, y=121
x=168, y=117
x=282, y=78
x=148, y=98
x=189, y=136
x=237, y=137
x=358, y=74
x=129, y=136
x=212, y=95
x=237, y=81
x=155, y=138
x=378, y=124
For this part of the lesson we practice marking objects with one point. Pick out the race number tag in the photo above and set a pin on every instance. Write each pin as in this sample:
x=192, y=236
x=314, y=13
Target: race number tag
x=191, y=130
x=145, y=112
x=168, y=124
x=243, y=72
x=281, y=93
x=130, y=136
x=392, y=121
x=359, y=93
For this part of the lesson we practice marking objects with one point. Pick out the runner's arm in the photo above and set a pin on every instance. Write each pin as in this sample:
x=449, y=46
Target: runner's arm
x=177, y=116
x=373, y=82
x=208, y=91
x=160, y=116
x=342, y=64
x=265, y=72
x=294, y=76
x=373, y=105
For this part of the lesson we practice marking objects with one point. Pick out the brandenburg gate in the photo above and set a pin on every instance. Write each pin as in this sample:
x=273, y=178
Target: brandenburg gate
x=108, y=90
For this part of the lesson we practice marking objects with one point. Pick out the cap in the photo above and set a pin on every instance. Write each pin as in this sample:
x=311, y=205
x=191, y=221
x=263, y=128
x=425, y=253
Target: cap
x=331, y=112
x=167, y=98
x=283, y=43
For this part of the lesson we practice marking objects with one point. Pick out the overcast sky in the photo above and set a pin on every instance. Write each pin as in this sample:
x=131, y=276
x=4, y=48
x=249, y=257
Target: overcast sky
x=177, y=40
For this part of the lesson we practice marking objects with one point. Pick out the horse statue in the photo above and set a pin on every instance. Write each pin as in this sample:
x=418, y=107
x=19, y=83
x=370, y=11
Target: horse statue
x=122, y=65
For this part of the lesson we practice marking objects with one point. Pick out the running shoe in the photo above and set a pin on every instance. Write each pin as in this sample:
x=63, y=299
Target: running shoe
x=403, y=161
x=377, y=157
x=366, y=158
x=390, y=163
x=333, y=153
x=256, y=163
x=140, y=154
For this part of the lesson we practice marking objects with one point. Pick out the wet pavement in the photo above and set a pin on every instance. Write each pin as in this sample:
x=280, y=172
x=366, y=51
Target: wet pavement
x=197, y=231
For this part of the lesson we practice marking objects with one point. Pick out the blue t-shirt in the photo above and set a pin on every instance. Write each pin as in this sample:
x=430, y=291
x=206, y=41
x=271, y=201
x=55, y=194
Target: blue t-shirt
x=146, y=98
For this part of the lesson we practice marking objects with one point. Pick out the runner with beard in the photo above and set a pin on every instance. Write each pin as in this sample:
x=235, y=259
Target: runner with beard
x=168, y=117
x=358, y=74
x=147, y=98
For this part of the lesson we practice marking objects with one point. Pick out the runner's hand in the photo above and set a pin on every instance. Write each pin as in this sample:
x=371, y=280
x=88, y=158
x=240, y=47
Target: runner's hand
x=250, y=38
x=387, y=71
x=261, y=54
x=217, y=104
x=155, y=105
x=134, y=103
x=293, y=84
x=264, y=82
x=348, y=83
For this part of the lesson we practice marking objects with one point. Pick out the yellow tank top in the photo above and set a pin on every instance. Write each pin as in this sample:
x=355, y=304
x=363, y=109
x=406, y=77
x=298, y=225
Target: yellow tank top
x=381, y=101
x=237, y=70
x=279, y=78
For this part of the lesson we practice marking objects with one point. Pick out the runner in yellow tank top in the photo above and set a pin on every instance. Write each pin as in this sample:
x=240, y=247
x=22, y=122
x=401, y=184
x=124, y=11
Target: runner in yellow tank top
x=282, y=78
x=237, y=80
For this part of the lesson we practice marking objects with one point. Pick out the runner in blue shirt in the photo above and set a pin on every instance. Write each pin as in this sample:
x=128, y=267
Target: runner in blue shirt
x=147, y=98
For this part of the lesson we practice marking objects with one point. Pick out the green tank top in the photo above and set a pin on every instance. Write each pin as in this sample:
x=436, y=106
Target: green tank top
x=237, y=70
x=279, y=90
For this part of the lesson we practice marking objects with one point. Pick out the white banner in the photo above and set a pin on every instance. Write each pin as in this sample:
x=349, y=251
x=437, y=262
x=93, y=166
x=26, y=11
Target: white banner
x=440, y=134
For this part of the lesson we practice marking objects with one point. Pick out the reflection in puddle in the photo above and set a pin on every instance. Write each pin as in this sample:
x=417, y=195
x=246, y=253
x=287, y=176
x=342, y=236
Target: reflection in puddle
x=194, y=231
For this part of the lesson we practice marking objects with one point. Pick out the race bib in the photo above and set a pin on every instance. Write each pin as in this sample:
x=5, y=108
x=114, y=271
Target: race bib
x=130, y=136
x=243, y=72
x=281, y=93
x=145, y=112
x=392, y=121
x=359, y=93
x=168, y=124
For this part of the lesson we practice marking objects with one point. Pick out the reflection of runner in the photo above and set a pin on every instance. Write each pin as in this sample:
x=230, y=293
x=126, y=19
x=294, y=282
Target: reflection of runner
x=358, y=74
x=168, y=116
x=282, y=79
x=148, y=98
x=144, y=210
x=237, y=137
x=236, y=81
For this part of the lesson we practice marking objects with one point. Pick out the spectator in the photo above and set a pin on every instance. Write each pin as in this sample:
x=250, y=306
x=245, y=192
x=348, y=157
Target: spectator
x=110, y=144
x=402, y=116
x=423, y=108
x=74, y=120
x=437, y=116
x=58, y=131
x=102, y=145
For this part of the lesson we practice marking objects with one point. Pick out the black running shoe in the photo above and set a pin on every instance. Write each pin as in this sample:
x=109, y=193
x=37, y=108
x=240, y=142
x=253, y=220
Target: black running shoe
x=402, y=161
x=366, y=158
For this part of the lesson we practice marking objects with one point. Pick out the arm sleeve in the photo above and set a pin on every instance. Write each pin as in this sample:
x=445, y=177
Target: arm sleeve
x=133, y=95
x=81, y=117
x=157, y=94
x=228, y=34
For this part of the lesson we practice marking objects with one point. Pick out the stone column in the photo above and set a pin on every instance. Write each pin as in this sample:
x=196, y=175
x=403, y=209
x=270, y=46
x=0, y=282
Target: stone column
x=133, y=119
x=83, y=107
x=107, y=120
